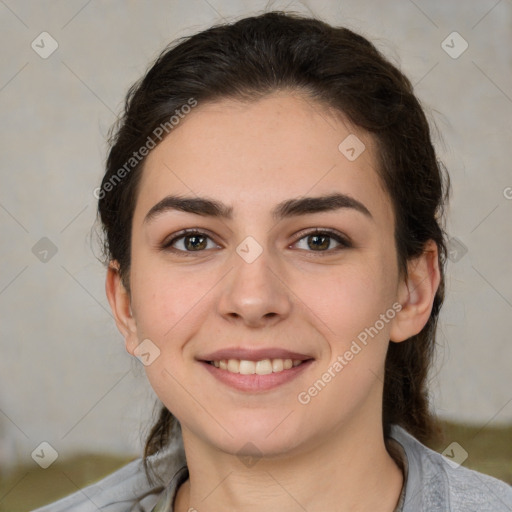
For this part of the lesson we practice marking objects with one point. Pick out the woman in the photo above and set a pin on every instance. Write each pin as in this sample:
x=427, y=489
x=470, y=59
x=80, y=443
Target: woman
x=272, y=209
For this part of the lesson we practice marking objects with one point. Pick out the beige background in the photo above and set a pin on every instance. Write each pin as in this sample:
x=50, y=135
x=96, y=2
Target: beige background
x=64, y=375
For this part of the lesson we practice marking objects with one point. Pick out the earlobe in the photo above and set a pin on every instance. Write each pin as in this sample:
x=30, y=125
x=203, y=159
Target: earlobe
x=416, y=293
x=120, y=303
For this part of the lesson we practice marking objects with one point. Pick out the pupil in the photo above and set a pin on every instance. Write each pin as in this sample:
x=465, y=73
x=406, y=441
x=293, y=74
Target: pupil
x=195, y=245
x=323, y=245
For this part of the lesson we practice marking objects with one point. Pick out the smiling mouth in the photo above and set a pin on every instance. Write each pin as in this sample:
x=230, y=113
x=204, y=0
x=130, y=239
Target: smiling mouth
x=262, y=367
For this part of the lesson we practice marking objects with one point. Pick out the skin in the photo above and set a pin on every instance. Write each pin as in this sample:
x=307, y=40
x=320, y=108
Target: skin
x=252, y=156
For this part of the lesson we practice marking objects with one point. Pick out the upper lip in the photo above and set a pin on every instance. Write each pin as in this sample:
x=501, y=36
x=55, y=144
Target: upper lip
x=253, y=354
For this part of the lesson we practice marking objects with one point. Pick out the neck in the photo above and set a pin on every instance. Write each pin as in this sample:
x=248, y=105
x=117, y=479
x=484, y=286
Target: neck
x=347, y=470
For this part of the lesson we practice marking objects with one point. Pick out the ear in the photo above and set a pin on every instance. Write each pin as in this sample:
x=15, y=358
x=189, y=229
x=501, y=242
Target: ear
x=119, y=300
x=416, y=294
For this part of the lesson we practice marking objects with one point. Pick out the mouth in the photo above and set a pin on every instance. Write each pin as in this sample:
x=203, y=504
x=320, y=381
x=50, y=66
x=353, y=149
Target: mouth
x=261, y=367
x=255, y=370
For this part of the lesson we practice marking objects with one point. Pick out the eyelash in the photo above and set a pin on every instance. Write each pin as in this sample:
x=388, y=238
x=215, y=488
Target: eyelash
x=344, y=242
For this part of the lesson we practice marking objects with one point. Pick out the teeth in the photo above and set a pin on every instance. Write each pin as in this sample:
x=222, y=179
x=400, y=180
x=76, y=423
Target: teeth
x=263, y=367
x=245, y=367
x=277, y=365
x=233, y=366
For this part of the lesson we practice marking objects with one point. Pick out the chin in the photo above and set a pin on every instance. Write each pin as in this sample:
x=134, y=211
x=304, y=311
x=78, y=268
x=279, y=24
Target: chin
x=268, y=438
x=246, y=446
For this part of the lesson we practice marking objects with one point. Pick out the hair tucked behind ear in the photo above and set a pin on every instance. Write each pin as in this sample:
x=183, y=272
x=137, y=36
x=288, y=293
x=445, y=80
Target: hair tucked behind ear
x=337, y=68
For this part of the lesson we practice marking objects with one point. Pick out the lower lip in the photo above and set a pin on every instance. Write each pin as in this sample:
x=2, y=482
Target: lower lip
x=254, y=383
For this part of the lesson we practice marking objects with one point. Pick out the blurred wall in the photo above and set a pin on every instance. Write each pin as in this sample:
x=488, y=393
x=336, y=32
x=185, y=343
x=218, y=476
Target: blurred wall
x=64, y=375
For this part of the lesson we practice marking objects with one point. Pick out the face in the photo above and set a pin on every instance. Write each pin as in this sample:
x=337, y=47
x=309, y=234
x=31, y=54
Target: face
x=267, y=276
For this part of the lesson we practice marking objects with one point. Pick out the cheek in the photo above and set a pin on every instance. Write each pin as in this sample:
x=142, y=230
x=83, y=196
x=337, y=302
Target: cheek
x=348, y=301
x=168, y=306
x=349, y=304
x=163, y=298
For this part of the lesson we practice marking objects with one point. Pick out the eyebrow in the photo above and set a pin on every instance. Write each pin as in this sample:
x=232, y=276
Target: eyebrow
x=290, y=208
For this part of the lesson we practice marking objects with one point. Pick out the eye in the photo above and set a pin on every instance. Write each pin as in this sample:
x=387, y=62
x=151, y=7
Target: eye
x=192, y=240
x=320, y=240
x=189, y=240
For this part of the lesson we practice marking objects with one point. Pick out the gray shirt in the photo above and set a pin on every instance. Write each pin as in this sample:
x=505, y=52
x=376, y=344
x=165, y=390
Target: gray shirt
x=432, y=484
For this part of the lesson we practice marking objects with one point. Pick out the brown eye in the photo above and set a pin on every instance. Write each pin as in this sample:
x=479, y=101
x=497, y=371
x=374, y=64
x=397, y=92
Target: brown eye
x=189, y=241
x=195, y=242
x=322, y=241
x=318, y=242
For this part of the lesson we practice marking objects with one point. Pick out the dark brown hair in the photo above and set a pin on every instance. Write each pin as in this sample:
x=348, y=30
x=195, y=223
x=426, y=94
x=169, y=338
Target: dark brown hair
x=337, y=68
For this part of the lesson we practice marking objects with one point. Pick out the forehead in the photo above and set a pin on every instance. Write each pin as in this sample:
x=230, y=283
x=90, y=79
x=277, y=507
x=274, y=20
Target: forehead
x=256, y=154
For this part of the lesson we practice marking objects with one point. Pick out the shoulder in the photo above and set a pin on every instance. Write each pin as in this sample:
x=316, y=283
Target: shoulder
x=436, y=483
x=471, y=490
x=127, y=485
x=124, y=490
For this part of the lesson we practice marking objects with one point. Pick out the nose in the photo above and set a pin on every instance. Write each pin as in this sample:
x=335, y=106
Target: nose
x=255, y=293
